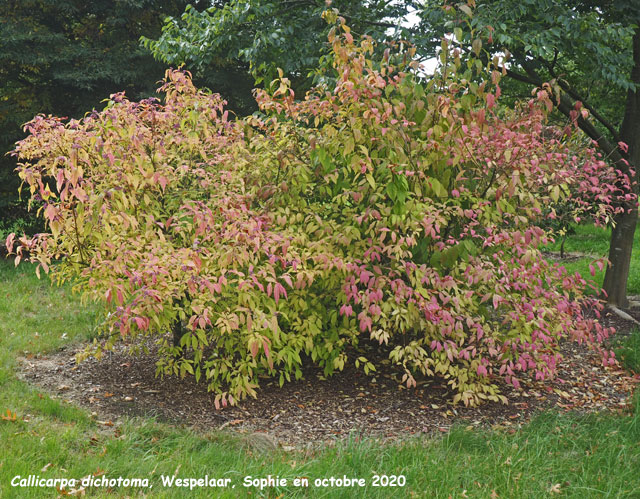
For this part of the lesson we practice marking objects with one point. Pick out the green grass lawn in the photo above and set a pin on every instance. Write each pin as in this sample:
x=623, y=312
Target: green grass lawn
x=593, y=242
x=565, y=455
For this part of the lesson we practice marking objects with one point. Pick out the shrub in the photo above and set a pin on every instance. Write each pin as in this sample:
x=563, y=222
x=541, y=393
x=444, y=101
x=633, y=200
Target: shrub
x=382, y=209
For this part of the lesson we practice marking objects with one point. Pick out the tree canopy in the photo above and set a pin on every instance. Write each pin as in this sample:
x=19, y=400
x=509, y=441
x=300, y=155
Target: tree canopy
x=266, y=34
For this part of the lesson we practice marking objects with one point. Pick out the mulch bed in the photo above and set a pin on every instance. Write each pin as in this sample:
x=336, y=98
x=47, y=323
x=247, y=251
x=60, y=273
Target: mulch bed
x=315, y=409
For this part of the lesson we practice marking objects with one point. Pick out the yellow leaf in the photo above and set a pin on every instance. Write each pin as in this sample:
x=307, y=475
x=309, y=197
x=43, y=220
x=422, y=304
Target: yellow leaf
x=371, y=180
x=555, y=489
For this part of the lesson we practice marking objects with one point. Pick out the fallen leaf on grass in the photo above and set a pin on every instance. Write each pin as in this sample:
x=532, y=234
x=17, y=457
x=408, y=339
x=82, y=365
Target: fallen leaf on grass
x=9, y=416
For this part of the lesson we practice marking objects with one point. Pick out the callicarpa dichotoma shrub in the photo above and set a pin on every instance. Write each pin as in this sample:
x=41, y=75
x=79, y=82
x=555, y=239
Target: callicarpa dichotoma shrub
x=376, y=210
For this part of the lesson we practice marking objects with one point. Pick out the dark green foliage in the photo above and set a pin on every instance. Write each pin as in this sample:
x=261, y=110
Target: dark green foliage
x=262, y=35
x=588, y=44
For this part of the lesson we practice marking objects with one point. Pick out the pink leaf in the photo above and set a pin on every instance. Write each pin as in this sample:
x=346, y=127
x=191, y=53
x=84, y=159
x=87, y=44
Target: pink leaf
x=163, y=182
x=496, y=301
x=365, y=322
x=253, y=348
x=9, y=242
x=287, y=278
x=491, y=100
x=279, y=290
x=265, y=345
x=59, y=179
x=346, y=310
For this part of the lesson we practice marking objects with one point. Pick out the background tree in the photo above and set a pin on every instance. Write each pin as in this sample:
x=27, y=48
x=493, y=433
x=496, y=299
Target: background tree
x=590, y=50
x=263, y=35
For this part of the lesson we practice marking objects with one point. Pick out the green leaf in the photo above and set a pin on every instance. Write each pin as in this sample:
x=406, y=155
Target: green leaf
x=438, y=188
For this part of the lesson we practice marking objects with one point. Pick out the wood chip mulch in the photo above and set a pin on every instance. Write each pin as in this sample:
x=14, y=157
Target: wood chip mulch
x=315, y=409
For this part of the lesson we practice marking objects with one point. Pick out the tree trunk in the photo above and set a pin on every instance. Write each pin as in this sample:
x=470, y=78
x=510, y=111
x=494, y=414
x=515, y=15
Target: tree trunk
x=615, y=280
x=617, y=275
